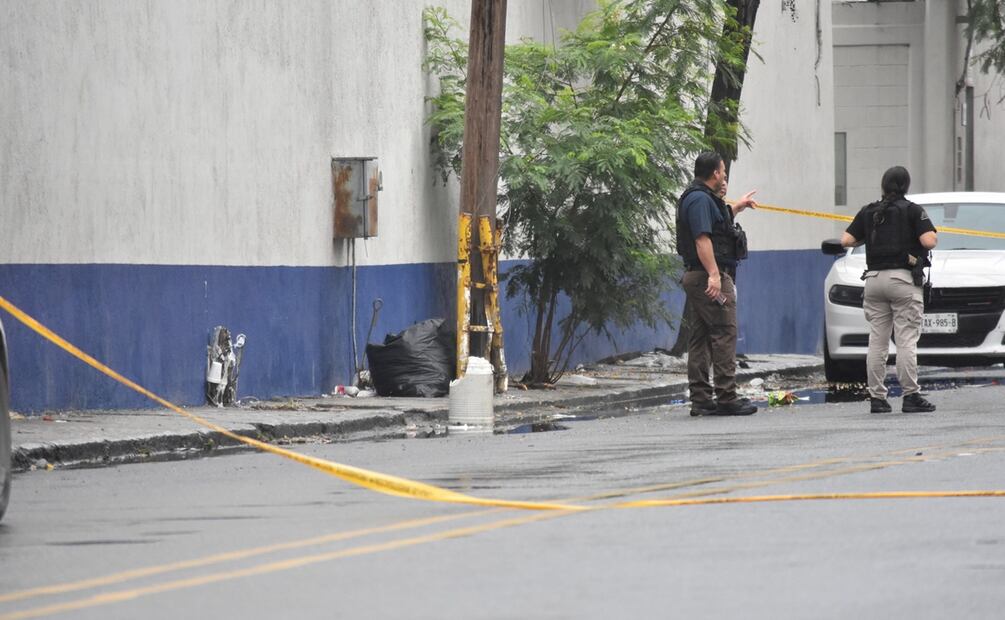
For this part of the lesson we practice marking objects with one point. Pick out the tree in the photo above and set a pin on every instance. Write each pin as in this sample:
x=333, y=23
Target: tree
x=723, y=128
x=722, y=125
x=598, y=134
x=986, y=24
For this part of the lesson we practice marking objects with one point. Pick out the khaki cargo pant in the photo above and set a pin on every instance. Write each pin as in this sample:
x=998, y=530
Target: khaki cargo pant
x=893, y=304
x=712, y=339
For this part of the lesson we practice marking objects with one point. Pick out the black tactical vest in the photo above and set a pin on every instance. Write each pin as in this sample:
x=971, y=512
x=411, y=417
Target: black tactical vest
x=725, y=234
x=889, y=236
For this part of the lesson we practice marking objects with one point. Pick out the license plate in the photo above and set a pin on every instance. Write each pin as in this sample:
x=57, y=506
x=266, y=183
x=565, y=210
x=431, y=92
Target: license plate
x=942, y=323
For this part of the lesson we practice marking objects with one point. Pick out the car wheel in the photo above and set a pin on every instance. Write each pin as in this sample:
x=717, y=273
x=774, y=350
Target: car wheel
x=5, y=451
x=842, y=371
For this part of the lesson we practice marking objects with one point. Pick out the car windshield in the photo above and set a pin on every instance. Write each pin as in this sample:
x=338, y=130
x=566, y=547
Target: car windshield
x=987, y=217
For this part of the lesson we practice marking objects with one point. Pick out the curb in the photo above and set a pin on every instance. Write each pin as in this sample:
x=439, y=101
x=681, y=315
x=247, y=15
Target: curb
x=650, y=393
x=197, y=444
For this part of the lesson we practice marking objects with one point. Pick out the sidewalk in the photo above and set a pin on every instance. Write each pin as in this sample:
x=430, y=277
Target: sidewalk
x=95, y=438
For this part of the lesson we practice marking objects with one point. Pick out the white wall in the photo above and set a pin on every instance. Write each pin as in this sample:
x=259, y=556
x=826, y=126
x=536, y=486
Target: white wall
x=889, y=28
x=989, y=130
x=787, y=105
x=201, y=131
x=872, y=106
x=936, y=46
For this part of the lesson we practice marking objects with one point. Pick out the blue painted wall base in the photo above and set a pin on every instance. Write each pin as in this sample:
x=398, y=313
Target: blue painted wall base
x=151, y=323
x=781, y=301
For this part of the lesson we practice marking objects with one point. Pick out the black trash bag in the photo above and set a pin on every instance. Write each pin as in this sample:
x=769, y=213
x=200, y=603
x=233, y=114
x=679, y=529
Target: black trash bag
x=419, y=361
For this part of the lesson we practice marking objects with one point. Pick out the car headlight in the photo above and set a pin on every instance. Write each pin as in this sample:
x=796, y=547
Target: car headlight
x=846, y=295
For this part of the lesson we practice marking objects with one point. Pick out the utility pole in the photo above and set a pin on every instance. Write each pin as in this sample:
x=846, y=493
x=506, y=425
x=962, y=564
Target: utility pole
x=480, y=169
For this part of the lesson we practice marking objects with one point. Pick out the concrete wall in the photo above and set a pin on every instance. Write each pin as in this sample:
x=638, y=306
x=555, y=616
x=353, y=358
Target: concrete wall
x=164, y=168
x=872, y=111
x=891, y=26
x=936, y=137
x=989, y=128
x=939, y=73
x=787, y=107
x=201, y=132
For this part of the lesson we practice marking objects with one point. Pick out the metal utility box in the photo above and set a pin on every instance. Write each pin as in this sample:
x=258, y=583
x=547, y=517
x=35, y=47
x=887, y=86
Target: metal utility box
x=356, y=182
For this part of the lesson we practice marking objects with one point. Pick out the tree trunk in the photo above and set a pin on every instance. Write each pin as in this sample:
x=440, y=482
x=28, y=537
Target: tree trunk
x=540, y=355
x=725, y=87
x=679, y=347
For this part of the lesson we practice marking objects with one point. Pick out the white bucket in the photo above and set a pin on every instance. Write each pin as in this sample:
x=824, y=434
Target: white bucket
x=471, y=395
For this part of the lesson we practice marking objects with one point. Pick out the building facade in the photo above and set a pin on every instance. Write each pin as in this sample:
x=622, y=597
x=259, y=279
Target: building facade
x=165, y=167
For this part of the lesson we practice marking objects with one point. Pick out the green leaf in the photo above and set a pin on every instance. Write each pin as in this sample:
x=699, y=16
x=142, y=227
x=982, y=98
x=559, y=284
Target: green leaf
x=598, y=136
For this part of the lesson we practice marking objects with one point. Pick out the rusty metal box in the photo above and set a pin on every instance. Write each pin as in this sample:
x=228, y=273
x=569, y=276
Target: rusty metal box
x=356, y=182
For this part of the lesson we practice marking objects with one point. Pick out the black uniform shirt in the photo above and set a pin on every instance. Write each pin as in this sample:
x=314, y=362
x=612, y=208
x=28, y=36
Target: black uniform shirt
x=917, y=218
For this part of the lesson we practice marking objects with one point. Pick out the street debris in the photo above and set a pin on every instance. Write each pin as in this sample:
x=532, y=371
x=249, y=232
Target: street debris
x=620, y=358
x=779, y=398
x=41, y=464
x=346, y=390
x=291, y=404
x=416, y=362
x=350, y=391
x=223, y=365
x=578, y=380
x=657, y=360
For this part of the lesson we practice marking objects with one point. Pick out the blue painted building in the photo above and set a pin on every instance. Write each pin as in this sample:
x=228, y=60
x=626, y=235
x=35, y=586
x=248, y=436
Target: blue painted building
x=165, y=168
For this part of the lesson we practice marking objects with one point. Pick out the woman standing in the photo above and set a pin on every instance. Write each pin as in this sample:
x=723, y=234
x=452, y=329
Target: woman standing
x=898, y=236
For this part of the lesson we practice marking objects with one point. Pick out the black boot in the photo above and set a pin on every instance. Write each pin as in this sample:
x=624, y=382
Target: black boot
x=880, y=405
x=703, y=408
x=740, y=406
x=916, y=403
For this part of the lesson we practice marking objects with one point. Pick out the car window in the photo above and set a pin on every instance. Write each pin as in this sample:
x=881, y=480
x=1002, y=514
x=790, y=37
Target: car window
x=984, y=217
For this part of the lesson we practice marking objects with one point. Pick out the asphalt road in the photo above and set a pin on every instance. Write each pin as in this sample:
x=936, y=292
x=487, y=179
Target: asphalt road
x=256, y=536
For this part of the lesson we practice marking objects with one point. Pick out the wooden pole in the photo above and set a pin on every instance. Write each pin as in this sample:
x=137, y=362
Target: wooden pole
x=480, y=159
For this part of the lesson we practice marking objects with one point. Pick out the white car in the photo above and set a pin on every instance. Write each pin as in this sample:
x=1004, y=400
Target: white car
x=963, y=323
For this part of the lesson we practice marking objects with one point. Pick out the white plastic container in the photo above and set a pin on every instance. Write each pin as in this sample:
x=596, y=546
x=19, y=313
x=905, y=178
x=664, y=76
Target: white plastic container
x=471, y=396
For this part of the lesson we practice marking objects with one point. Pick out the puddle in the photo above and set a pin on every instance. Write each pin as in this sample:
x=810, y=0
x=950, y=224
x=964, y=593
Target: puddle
x=586, y=418
x=536, y=427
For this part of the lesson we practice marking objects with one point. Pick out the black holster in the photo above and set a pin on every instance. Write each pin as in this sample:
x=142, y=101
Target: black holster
x=741, y=242
x=918, y=273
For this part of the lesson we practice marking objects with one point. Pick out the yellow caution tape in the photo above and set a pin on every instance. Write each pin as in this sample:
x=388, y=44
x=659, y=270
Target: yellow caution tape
x=112, y=597
x=653, y=503
x=972, y=233
x=817, y=214
x=383, y=483
x=403, y=487
x=848, y=218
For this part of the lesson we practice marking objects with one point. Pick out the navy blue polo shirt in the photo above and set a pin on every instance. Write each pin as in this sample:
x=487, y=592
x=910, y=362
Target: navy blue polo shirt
x=701, y=213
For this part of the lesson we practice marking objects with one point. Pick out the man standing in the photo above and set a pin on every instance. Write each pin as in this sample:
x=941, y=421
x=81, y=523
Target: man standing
x=898, y=235
x=707, y=240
